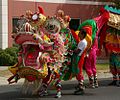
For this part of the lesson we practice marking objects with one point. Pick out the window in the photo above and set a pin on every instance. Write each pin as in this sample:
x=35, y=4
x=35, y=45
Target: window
x=74, y=23
x=14, y=24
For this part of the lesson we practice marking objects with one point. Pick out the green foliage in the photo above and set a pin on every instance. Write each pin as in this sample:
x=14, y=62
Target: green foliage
x=13, y=51
x=117, y=3
x=5, y=59
x=102, y=66
x=8, y=57
x=0, y=49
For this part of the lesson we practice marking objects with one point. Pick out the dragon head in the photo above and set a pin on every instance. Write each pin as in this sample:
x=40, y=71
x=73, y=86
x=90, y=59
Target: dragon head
x=52, y=26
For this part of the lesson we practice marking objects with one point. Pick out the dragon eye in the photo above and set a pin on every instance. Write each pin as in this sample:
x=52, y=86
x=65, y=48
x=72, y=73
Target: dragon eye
x=51, y=27
x=35, y=17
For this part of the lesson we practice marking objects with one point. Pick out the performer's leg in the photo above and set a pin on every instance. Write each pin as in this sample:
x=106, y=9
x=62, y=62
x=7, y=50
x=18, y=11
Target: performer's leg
x=79, y=88
x=114, y=82
x=44, y=85
x=43, y=90
x=58, y=88
x=79, y=77
x=91, y=81
x=114, y=74
x=96, y=81
x=118, y=67
x=113, y=69
x=88, y=68
x=118, y=84
x=94, y=70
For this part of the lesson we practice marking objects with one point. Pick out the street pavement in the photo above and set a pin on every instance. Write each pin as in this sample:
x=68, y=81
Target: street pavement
x=104, y=92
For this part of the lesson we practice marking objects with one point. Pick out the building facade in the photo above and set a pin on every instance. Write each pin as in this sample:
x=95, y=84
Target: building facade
x=4, y=24
x=10, y=10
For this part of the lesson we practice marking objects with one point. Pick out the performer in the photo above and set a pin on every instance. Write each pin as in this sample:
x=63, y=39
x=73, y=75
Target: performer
x=90, y=65
x=114, y=61
x=112, y=41
x=80, y=52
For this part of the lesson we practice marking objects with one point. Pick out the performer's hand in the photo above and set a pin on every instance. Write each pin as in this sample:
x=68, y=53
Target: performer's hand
x=76, y=51
x=70, y=52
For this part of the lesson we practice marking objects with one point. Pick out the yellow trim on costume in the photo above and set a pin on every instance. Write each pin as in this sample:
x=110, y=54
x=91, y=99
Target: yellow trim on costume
x=43, y=73
x=13, y=69
x=111, y=38
x=46, y=38
x=77, y=32
x=89, y=41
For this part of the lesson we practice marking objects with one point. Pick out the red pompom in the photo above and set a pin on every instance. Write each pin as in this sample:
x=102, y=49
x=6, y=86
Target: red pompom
x=102, y=10
x=40, y=10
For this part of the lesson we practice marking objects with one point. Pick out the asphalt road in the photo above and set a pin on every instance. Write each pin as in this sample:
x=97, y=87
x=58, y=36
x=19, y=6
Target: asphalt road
x=104, y=92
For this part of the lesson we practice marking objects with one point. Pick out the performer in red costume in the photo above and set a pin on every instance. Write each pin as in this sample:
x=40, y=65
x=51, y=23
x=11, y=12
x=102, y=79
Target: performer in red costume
x=80, y=51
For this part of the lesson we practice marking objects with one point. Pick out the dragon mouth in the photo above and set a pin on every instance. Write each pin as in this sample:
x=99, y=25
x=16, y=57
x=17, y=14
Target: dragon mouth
x=25, y=38
x=30, y=48
x=29, y=42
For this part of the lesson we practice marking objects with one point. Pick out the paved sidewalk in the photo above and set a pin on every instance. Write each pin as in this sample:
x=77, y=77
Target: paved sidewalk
x=6, y=75
x=3, y=81
x=3, y=68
